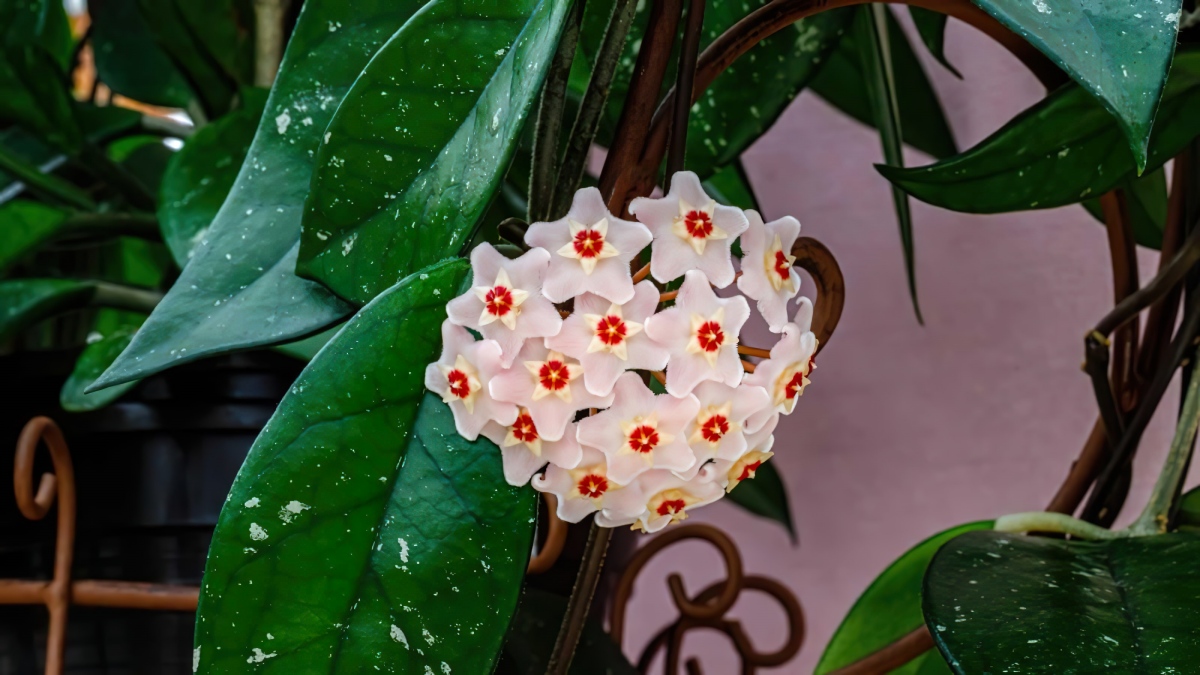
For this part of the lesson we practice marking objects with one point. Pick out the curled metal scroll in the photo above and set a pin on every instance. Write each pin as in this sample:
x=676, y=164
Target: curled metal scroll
x=60, y=592
x=708, y=608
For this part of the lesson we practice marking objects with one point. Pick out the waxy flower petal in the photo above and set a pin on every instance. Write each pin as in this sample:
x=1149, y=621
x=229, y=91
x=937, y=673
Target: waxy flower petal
x=691, y=231
x=785, y=374
x=505, y=302
x=587, y=488
x=591, y=250
x=609, y=338
x=701, y=334
x=667, y=499
x=549, y=385
x=768, y=276
x=524, y=451
x=461, y=377
x=718, y=430
x=641, y=431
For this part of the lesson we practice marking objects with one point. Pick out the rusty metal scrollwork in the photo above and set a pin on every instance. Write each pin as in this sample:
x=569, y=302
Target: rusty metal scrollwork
x=708, y=608
x=60, y=592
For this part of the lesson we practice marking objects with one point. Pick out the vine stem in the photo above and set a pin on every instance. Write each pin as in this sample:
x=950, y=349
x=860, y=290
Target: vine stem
x=268, y=40
x=1156, y=516
x=549, y=120
x=1061, y=523
x=580, y=601
x=685, y=78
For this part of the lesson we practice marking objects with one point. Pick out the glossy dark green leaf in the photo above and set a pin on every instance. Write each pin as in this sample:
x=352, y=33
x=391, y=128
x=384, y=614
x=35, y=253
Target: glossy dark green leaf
x=240, y=290
x=24, y=302
x=531, y=638
x=41, y=22
x=409, y=163
x=214, y=87
x=931, y=26
x=731, y=186
x=1062, y=150
x=362, y=530
x=745, y=100
x=871, y=28
x=129, y=59
x=35, y=94
x=1189, y=510
x=112, y=333
x=1118, y=50
x=842, y=83
x=1147, y=201
x=225, y=31
x=199, y=178
x=24, y=227
x=998, y=602
x=765, y=496
x=889, y=609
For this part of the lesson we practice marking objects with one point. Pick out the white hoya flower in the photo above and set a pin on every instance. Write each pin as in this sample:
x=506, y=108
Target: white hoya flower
x=768, y=277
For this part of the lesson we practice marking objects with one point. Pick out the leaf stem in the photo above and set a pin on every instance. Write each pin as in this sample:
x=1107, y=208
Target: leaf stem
x=549, y=120
x=591, y=108
x=1156, y=516
x=165, y=126
x=268, y=39
x=43, y=183
x=1061, y=523
x=118, y=296
x=581, y=600
x=685, y=79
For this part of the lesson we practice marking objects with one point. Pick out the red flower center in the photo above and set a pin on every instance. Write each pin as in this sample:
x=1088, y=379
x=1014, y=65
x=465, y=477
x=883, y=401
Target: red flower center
x=698, y=224
x=794, y=385
x=553, y=375
x=670, y=507
x=523, y=429
x=710, y=336
x=593, y=485
x=460, y=385
x=748, y=470
x=714, y=428
x=643, y=439
x=781, y=266
x=499, y=301
x=611, y=330
x=588, y=243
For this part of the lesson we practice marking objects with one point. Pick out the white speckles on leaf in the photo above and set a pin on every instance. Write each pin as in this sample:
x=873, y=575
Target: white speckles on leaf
x=327, y=135
x=252, y=503
x=403, y=550
x=1041, y=6
x=259, y=656
x=398, y=636
x=445, y=668
x=293, y=508
x=195, y=659
x=348, y=244
x=282, y=122
x=257, y=533
x=427, y=635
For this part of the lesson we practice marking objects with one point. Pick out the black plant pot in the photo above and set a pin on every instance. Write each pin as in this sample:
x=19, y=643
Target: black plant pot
x=152, y=472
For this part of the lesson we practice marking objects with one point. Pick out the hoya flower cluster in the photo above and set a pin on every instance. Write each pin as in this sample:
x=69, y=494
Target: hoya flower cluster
x=570, y=342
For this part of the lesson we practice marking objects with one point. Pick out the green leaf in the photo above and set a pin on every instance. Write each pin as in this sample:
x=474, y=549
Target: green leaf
x=1147, y=200
x=199, y=178
x=765, y=496
x=843, y=84
x=24, y=302
x=35, y=94
x=225, y=30
x=362, y=530
x=306, y=349
x=409, y=164
x=24, y=227
x=112, y=334
x=129, y=59
x=745, y=100
x=1118, y=50
x=230, y=295
x=1189, y=510
x=995, y=601
x=1062, y=150
x=889, y=609
x=40, y=22
x=731, y=186
x=538, y=618
x=214, y=87
x=871, y=28
x=931, y=26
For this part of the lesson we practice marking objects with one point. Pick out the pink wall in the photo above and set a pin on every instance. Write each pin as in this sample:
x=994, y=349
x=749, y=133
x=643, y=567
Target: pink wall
x=908, y=430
